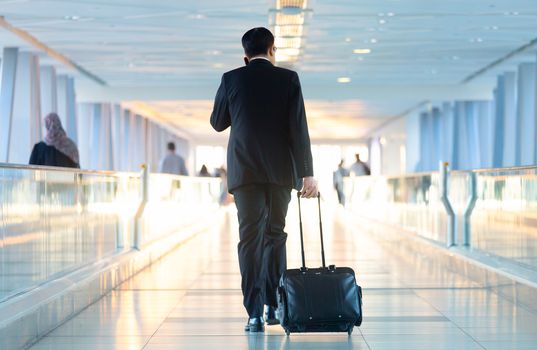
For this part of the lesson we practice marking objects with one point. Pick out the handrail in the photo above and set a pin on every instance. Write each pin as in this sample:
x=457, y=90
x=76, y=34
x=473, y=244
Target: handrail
x=100, y=172
x=495, y=170
x=469, y=171
x=63, y=169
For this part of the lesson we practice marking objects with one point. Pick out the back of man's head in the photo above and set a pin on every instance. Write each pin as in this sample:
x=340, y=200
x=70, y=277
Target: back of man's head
x=171, y=146
x=257, y=41
x=357, y=157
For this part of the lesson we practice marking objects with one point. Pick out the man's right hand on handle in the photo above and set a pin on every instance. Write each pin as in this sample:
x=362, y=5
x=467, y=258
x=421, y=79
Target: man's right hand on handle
x=309, y=189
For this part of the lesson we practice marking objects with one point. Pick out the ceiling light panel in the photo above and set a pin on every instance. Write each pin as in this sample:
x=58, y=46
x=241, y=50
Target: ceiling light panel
x=288, y=19
x=299, y=4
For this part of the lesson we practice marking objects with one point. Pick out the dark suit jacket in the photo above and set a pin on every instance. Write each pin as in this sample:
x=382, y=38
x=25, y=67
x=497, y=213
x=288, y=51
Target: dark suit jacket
x=43, y=154
x=269, y=141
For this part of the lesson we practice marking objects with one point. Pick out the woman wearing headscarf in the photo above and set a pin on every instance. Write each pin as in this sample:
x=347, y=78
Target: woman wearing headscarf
x=56, y=149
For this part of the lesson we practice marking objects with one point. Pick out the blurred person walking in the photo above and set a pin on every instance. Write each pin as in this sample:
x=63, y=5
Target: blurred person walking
x=359, y=168
x=56, y=149
x=268, y=154
x=172, y=163
x=338, y=176
x=204, y=172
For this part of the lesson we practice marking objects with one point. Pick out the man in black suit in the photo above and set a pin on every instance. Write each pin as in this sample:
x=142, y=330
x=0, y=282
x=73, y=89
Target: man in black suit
x=268, y=154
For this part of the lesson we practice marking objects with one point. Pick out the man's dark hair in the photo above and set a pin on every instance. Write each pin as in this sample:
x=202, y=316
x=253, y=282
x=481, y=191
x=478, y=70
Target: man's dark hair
x=171, y=146
x=257, y=41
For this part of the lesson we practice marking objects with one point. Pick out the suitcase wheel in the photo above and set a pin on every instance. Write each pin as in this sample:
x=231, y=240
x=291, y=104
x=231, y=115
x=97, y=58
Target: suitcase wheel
x=349, y=330
x=287, y=332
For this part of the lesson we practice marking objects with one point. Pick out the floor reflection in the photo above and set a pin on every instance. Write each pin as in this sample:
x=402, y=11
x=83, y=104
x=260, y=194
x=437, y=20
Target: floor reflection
x=191, y=300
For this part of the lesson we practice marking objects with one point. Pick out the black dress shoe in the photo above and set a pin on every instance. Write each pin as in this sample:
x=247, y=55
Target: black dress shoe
x=254, y=325
x=270, y=316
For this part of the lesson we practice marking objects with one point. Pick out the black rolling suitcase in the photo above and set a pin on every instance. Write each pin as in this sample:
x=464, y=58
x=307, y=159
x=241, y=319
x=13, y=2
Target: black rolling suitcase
x=325, y=299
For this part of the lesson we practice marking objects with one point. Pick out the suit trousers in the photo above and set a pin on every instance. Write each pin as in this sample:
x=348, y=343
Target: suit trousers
x=262, y=209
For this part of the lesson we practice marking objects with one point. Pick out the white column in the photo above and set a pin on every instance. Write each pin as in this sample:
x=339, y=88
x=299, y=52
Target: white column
x=95, y=139
x=117, y=135
x=510, y=119
x=37, y=124
x=7, y=93
x=134, y=160
x=141, y=140
x=107, y=155
x=85, y=115
x=486, y=133
x=448, y=131
x=126, y=154
x=473, y=135
x=49, y=93
x=438, y=136
x=72, y=123
x=527, y=114
x=67, y=105
x=459, y=160
x=26, y=117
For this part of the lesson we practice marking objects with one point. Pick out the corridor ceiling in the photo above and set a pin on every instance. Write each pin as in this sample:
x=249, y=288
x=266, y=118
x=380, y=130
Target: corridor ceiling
x=361, y=62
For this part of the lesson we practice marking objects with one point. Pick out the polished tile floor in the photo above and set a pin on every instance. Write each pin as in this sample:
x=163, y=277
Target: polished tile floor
x=191, y=300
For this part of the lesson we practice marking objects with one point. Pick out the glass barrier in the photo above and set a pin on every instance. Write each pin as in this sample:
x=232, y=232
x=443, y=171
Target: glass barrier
x=411, y=202
x=55, y=220
x=503, y=222
x=176, y=202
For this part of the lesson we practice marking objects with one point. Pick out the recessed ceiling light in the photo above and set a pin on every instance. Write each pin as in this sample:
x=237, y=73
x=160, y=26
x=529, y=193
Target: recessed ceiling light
x=382, y=21
x=197, y=16
x=71, y=18
x=390, y=14
x=476, y=40
x=348, y=40
x=361, y=51
x=373, y=41
x=343, y=80
x=455, y=58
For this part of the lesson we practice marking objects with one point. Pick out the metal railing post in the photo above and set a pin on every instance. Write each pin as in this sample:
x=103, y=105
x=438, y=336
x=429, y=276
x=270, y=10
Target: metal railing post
x=144, y=177
x=444, y=197
x=472, y=199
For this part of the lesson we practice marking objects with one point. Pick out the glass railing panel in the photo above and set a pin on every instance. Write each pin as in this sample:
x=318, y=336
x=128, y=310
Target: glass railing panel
x=54, y=221
x=411, y=202
x=177, y=202
x=504, y=221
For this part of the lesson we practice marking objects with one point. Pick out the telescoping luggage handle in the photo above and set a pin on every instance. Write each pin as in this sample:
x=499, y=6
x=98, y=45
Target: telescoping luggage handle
x=302, y=233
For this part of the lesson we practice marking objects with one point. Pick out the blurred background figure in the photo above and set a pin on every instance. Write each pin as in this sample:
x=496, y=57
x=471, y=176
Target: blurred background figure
x=56, y=149
x=339, y=174
x=359, y=168
x=225, y=198
x=173, y=163
x=204, y=172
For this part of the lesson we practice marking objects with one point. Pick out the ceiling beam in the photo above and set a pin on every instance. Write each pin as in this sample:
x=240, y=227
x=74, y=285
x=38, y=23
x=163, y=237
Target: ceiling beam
x=500, y=60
